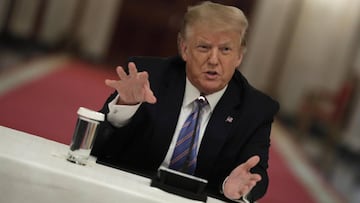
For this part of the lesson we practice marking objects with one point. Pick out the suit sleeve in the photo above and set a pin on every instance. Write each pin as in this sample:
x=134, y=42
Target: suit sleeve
x=106, y=129
x=259, y=144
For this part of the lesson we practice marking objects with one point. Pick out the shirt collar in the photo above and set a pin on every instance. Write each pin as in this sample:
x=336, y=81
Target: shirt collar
x=192, y=93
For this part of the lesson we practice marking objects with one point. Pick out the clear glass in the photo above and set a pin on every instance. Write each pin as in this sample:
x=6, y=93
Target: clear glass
x=83, y=140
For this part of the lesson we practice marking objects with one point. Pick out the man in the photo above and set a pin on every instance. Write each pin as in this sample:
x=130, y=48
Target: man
x=145, y=115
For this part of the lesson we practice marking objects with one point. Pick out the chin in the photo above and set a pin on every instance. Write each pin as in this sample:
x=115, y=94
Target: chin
x=209, y=86
x=210, y=90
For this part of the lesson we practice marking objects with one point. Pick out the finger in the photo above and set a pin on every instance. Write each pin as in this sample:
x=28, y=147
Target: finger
x=251, y=184
x=149, y=95
x=245, y=167
x=111, y=83
x=255, y=177
x=143, y=75
x=121, y=73
x=132, y=69
x=251, y=162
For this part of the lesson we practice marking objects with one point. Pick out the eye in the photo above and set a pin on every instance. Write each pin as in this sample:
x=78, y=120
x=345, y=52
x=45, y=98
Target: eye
x=225, y=50
x=203, y=47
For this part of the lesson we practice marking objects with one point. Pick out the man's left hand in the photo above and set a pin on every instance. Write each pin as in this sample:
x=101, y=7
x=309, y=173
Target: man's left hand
x=241, y=180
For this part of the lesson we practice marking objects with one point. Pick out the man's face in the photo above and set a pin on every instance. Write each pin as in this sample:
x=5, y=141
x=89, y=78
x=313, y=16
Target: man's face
x=211, y=57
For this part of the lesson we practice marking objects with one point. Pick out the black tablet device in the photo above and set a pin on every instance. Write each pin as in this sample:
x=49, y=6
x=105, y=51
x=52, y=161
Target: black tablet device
x=180, y=184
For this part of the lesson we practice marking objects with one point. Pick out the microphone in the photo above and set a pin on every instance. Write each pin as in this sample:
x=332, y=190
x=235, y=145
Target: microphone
x=202, y=99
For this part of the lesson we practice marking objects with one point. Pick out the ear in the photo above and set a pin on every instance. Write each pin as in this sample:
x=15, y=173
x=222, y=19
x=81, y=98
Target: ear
x=183, y=48
x=241, y=54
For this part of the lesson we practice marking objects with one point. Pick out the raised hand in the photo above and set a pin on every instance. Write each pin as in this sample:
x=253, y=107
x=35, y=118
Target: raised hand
x=133, y=88
x=241, y=180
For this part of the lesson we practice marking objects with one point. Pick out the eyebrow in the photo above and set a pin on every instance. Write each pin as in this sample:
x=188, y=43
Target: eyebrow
x=201, y=41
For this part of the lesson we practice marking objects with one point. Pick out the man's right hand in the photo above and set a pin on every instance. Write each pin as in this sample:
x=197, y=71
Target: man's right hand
x=133, y=88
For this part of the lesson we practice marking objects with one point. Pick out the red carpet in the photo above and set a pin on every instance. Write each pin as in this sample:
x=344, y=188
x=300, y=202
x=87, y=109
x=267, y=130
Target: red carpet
x=47, y=107
x=284, y=187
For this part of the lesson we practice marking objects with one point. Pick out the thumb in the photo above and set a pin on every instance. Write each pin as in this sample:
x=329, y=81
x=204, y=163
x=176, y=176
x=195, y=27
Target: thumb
x=245, y=167
x=111, y=83
x=251, y=162
x=149, y=97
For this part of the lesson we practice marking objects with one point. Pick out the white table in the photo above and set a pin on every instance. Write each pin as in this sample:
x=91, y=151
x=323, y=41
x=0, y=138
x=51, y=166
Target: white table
x=34, y=169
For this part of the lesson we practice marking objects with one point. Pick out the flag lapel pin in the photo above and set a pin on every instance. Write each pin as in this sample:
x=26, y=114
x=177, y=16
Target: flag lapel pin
x=229, y=119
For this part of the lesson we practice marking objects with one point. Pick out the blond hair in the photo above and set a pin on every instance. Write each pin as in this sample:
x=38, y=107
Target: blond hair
x=215, y=15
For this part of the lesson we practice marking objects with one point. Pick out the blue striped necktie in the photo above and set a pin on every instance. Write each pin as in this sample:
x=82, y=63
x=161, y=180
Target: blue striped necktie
x=185, y=152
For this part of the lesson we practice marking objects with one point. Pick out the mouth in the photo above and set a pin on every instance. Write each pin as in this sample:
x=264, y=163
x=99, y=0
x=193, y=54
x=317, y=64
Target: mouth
x=211, y=74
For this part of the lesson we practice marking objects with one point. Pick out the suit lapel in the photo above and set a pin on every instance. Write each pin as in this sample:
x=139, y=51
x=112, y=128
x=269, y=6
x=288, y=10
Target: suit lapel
x=218, y=129
x=169, y=102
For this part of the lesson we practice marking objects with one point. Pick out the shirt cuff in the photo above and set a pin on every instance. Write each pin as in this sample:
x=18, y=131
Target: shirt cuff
x=242, y=199
x=120, y=115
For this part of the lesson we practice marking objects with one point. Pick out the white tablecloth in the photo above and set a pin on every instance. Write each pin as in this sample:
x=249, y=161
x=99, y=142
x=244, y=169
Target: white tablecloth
x=34, y=169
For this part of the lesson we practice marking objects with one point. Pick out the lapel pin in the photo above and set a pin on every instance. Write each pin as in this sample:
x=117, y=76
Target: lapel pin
x=229, y=119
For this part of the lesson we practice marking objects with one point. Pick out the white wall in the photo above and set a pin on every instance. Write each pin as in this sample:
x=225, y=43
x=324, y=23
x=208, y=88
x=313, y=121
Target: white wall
x=357, y=61
x=97, y=26
x=94, y=27
x=320, y=50
x=268, y=27
x=4, y=5
x=352, y=131
x=23, y=18
x=57, y=21
x=317, y=53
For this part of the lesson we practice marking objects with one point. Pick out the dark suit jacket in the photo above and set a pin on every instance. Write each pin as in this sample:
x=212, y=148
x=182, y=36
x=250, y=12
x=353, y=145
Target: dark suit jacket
x=141, y=146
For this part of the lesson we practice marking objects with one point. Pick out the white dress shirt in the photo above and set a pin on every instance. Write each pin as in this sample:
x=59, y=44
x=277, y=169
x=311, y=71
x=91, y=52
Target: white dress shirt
x=120, y=115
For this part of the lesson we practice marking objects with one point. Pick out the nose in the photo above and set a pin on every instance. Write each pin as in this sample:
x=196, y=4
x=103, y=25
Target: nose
x=214, y=57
